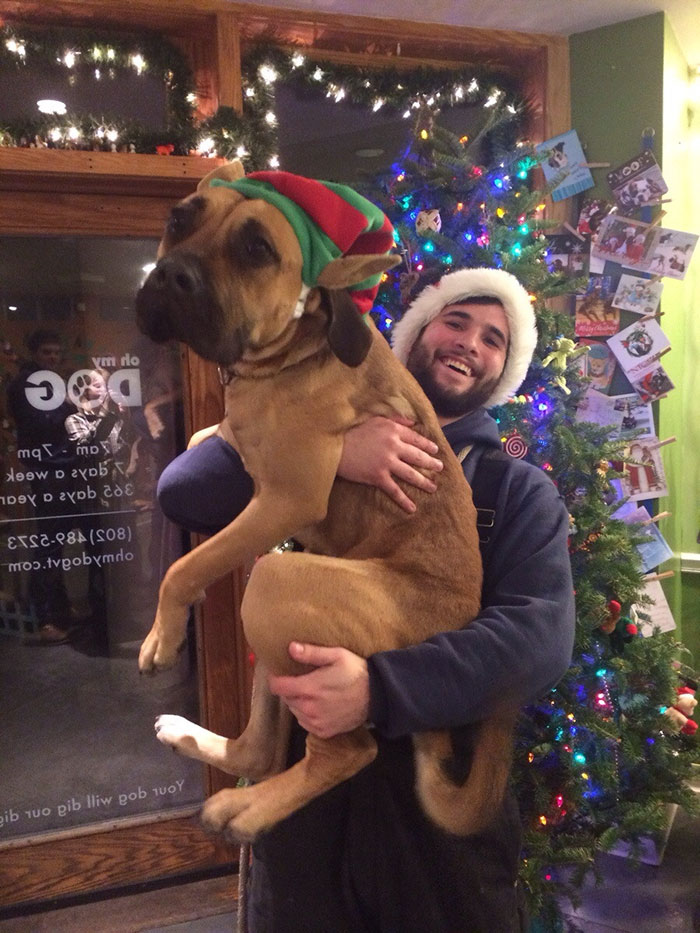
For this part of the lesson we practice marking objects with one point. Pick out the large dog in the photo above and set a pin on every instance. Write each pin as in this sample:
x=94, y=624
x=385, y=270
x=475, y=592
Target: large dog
x=303, y=368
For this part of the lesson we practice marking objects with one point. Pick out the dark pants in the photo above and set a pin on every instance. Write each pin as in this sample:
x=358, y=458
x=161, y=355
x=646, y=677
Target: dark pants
x=364, y=859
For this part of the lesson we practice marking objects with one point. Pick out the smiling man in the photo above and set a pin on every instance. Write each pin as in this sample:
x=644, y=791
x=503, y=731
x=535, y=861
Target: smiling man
x=363, y=857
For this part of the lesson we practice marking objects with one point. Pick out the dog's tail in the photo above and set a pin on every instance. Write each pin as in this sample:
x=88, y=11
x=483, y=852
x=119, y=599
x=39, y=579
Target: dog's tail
x=464, y=804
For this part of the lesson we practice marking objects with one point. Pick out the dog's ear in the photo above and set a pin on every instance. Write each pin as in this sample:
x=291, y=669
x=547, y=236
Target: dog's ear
x=349, y=270
x=231, y=171
x=349, y=336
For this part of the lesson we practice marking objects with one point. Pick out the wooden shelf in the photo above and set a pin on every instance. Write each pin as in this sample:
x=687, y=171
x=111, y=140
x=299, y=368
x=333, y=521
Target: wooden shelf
x=104, y=172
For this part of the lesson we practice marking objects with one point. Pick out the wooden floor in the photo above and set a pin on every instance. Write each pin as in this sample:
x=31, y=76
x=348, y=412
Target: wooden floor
x=199, y=905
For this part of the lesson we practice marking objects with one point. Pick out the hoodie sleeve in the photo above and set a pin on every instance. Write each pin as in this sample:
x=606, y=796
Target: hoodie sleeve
x=205, y=488
x=519, y=645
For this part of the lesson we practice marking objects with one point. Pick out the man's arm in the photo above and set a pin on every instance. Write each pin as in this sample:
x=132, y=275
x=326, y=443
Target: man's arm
x=518, y=646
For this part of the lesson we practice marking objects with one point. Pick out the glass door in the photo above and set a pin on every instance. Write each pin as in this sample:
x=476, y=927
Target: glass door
x=91, y=413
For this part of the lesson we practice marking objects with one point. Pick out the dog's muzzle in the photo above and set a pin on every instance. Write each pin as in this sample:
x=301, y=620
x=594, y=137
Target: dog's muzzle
x=174, y=301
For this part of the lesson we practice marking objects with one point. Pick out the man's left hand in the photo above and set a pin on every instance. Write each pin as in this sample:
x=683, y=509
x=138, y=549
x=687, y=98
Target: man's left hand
x=332, y=698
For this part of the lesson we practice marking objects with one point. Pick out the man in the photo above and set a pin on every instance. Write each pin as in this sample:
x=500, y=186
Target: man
x=364, y=857
x=44, y=451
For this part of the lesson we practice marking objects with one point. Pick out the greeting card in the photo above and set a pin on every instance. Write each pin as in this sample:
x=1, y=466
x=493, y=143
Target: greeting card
x=638, y=345
x=565, y=162
x=651, y=384
x=595, y=314
x=641, y=296
x=566, y=254
x=637, y=182
x=592, y=213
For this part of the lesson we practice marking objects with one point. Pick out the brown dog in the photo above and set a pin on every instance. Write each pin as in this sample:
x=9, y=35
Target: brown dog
x=373, y=577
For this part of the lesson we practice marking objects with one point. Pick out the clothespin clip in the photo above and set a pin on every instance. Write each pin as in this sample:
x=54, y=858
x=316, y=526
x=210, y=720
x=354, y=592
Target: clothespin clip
x=595, y=165
x=573, y=231
x=659, y=576
x=669, y=440
x=656, y=518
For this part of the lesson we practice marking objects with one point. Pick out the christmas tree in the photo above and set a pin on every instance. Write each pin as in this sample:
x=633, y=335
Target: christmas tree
x=598, y=758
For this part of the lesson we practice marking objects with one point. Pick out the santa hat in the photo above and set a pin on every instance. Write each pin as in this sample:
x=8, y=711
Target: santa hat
x=330, y=220
x=460, y=286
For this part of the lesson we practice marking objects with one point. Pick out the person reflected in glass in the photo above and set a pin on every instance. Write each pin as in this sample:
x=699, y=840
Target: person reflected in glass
x=44, y=452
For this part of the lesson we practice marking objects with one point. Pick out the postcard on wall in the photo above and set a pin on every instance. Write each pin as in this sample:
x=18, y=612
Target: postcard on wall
x=624, y=415
x=651, y=384
x=598, y=365
x=653, y=548
x=565, y=163
x=637, y=182
x=592, y=213
x=638, y=345
x=641, y=296
x=595, y=315
x=566, y=254
x=671, y=253
x=624, y=240
x=644, y=476
x=637, y=416
x=655, y=616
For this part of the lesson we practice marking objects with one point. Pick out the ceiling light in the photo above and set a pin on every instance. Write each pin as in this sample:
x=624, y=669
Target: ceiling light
x=368, y=153
x=51, y=106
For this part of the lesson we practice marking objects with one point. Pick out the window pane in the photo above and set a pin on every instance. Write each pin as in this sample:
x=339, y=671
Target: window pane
x=91, y=413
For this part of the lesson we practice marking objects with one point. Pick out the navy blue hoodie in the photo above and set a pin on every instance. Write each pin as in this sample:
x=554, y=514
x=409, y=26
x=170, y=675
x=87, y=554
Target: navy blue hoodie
x=518, y=646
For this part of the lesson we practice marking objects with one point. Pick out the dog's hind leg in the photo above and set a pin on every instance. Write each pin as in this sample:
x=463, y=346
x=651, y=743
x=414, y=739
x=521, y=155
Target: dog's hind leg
x=242, y=814
x=261, y=749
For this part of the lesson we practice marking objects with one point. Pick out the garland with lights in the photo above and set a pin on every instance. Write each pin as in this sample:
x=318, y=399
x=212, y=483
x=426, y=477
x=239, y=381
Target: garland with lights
x=250, y=136
x=99, y=56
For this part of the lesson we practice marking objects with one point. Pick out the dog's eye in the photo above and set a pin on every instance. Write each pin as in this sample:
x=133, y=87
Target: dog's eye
x=259, y=251
x=182, y=217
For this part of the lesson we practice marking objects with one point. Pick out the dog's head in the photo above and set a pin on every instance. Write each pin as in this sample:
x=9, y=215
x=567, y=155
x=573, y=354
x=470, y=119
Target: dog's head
x=233, y=278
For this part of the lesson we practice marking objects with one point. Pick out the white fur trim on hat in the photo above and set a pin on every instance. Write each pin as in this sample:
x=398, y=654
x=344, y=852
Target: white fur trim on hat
x=472, y=283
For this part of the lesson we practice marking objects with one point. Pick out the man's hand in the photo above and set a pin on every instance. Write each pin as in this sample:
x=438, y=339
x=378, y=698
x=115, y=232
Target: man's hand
x=381, y=450
x=332, y=698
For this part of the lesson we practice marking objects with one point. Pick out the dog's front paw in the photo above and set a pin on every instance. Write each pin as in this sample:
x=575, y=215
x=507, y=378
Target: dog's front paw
x=161, y=646
x=179, y=733
x=232, y=813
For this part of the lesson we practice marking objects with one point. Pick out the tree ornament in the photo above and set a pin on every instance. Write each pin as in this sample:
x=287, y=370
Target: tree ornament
x=682, y=710
x=428, y=222
x=614, y=613
x=515, y=446
x=564, y=350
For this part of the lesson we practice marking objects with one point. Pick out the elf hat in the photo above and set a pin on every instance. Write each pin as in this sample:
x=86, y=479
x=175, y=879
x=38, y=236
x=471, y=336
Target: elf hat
x=460, y=286
x=329, y=220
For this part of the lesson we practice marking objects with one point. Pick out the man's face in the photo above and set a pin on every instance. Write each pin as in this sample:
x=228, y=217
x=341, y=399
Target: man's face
x=48, y=355
x=459, y=357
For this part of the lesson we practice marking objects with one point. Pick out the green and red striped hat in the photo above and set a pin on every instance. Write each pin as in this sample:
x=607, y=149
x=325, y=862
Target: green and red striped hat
x=330, y=220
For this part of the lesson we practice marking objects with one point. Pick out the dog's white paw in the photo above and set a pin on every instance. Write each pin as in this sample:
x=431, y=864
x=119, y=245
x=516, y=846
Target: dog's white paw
x=179, y=733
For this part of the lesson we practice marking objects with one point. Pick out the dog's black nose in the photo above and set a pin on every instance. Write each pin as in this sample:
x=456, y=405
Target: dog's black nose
x=173, y=292
x=178, y=275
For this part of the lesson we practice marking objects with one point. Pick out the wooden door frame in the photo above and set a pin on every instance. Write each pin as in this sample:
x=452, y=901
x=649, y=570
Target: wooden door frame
x=44, y=192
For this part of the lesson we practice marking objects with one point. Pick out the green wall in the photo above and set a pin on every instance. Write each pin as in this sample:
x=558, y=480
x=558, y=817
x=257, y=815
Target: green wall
x=624, y=79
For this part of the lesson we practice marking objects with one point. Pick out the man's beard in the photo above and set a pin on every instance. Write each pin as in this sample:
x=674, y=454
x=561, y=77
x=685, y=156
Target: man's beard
x=447, y=404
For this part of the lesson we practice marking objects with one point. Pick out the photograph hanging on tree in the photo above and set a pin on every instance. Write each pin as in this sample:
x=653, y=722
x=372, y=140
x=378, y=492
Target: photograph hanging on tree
x=654, y=616
x=595, y=315
x=623, y=415
x=598, y=365
x=637, y=182
x=566, y=254
x=654, y=549
x=592, y=214
x=651, y=384
x=638, y=295
x=638, y=345
x=564, y=159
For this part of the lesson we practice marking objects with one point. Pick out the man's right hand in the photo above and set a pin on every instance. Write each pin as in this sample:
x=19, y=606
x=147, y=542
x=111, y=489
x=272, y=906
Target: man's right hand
x=381, y=450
